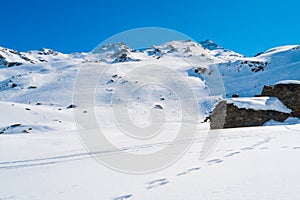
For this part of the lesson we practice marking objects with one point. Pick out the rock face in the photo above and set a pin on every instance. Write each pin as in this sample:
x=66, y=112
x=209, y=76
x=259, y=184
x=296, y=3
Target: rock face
x=289, y=94
x=227, y=115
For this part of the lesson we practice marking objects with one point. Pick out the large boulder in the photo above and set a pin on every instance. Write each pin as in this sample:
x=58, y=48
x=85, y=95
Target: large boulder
x=246, y=112
x=276, y=102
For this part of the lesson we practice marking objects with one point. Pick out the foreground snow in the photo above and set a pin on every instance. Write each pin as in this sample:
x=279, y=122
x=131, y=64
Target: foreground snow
x=247, y=163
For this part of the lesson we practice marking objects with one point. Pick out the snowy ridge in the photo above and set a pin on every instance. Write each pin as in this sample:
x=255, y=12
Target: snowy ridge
x=278, y=50
x=220, y=52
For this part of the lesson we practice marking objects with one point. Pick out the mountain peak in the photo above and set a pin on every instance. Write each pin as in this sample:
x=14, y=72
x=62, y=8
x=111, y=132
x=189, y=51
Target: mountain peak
x=114, y=47
x=209, y=44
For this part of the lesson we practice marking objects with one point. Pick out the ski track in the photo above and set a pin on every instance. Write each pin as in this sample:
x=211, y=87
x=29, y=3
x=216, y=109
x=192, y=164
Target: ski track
x=87, y=155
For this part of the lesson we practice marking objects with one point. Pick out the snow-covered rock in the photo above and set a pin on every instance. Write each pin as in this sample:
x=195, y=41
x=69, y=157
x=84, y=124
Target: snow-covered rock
x=247, y=112
x=259, y=103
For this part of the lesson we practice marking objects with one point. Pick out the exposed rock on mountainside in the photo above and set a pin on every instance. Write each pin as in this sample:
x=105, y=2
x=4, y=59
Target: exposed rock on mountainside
x=12, y=58
x=255, y=66
x=288, y=93
x=124, y=58
x=209, y=44
x=6, y=63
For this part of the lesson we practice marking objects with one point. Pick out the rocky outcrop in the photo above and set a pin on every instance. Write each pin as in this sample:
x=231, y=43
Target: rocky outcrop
x=289, y=94
x=124, y=58
x=4, y=62
x=12, y=58
x=255, y=66
x=228, y=115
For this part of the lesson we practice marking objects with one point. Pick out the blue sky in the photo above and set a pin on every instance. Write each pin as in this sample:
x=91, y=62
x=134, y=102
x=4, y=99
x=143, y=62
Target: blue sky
x=247, y=27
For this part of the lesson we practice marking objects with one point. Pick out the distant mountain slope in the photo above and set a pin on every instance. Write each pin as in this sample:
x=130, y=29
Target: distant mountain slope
x=247, y=76
x=48, y=76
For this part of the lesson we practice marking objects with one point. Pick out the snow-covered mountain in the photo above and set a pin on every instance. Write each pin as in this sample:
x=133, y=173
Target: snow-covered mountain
x=42, y=157
x=50, y=71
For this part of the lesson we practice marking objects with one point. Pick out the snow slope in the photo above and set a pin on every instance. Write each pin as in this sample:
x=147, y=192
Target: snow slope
x=251, y=163
x=247, y=76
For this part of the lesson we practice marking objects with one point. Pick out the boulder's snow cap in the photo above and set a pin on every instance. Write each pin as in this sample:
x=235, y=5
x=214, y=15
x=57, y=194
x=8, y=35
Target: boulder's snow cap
x=288, y=82
x=260, y=103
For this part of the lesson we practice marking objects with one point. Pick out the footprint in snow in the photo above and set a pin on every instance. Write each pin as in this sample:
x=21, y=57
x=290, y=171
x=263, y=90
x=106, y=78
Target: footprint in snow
x=247, y=148
x=232, y=154
x=214, y=161
x=156, y=183
x=123, y=197
x=262, y=142
x=188, y=171
x=264, y=148
x=6, y=198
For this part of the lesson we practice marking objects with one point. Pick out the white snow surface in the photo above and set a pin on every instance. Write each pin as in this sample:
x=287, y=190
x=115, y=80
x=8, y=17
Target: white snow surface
x=260, y=103
x=51, y=163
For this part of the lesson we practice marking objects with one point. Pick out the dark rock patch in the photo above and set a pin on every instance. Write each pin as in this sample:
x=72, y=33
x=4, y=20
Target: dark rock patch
x=157, y=106
x=12, y=64
x=15, y=125
x=289, y=94
x=71, y=106
x=124, y=58
x=14, y=85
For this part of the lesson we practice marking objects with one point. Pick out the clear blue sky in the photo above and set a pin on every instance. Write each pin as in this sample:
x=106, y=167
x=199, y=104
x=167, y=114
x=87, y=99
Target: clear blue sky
x=247, y=27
